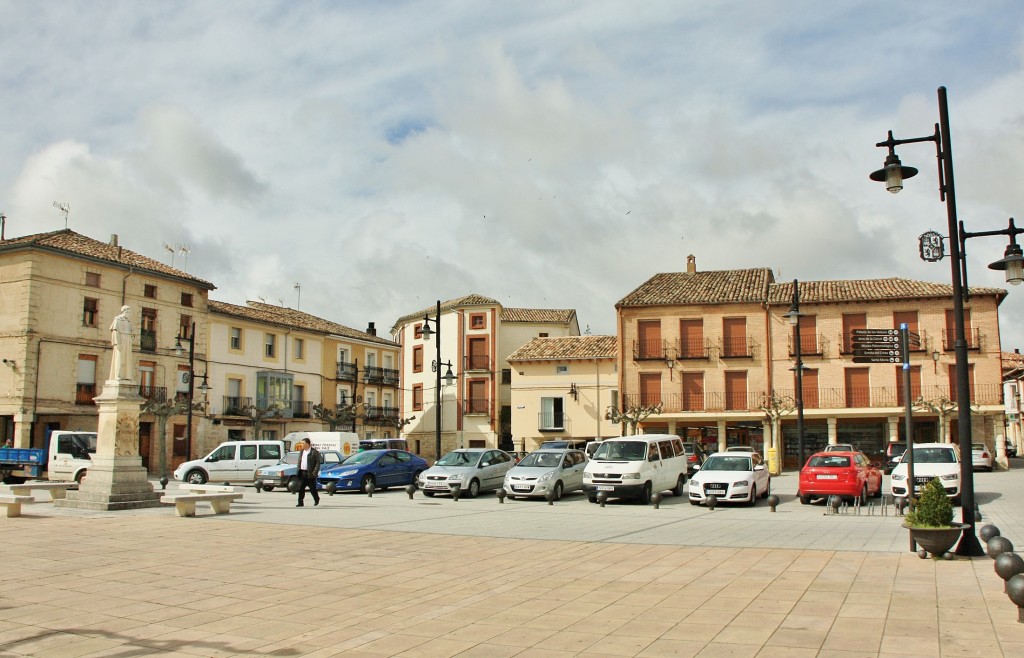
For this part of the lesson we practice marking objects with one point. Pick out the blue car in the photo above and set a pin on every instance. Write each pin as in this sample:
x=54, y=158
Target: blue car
x=384, y=468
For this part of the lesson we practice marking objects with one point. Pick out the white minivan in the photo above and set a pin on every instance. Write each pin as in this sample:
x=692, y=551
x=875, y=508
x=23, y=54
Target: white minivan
x=636, y=467
x=232, y=461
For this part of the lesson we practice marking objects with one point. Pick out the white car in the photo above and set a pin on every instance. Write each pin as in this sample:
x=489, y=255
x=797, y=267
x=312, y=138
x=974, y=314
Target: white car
x=474, y=470
x=730, y=477
x=541, y=471
x=981, y=457
x=931, y=460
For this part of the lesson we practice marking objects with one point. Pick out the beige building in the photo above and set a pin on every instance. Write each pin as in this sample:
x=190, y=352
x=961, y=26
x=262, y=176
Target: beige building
x=59, y=292
x=715, y=349
x=562, y=389
x=270, y=367
x=477, y=335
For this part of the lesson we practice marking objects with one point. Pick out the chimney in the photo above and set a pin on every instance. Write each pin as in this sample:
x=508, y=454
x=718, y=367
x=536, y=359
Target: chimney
x=371, y=330
x=113, y=239
x=691, y=264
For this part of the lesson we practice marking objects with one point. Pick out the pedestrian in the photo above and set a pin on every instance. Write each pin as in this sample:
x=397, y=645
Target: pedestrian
x=8, y=444
x=309, y=469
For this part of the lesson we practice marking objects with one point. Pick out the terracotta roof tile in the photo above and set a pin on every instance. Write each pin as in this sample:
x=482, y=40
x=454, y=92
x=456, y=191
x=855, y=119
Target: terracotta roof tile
x=854, y=290
x=293, y=319
x=713, y=287
x=75, y=243
x=460, y=302
x=538, y=315
x=567, y=348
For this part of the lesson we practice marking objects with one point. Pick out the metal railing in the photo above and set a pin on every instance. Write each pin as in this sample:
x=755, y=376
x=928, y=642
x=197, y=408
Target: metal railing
x=153, y=393
x=888, y=396
x=84, y=393
x=550, y=421
x=649, y=350
x=147, y=340
x=738, y=348
x=302, y=409
x=373, y=375
x=972, y=334
x=477, y=363
x=697, y=348
x=473, y=407
x=810, y=344
x=236, y=406
x=346, y=371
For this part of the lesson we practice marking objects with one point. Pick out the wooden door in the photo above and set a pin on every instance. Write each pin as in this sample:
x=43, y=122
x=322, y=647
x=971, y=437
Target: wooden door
x=650, y=388
x=858, y=391
x=736, y=390
x=691, y=339
x=852, y=322
x=649, y=340
x=693, y=391
x=809, y=390
x=734, y=336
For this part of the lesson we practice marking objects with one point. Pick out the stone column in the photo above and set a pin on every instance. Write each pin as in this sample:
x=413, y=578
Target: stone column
x=22, y=430
x=722, y=436
x=116, y=480
x=833, y=430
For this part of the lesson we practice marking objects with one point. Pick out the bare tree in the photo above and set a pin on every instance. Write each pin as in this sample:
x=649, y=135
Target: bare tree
x=775, y=407
x=163, y=409
x=258, y=413
x=341, y=415
x=943, y=407
x=631, y=417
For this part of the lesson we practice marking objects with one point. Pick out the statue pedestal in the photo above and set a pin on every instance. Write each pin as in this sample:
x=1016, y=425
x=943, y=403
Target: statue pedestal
x=116, y=479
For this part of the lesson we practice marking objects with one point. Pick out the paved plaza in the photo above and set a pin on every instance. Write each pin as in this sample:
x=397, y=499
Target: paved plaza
x=390, y=576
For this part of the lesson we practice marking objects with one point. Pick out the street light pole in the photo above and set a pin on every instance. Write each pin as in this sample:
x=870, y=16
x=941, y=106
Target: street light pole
x=436, y=367
x=191, y=384
x=794, y=319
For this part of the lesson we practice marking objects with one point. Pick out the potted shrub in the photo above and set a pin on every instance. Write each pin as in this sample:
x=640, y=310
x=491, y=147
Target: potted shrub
x=931, y=521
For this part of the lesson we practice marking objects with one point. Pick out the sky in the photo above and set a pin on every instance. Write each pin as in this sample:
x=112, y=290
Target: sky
x=361, y=160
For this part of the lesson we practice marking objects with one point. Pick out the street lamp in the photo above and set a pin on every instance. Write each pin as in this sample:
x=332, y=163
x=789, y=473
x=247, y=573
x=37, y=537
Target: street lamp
x=893, y=173
x=794, y=319
x=435, y=366
x=179, y=351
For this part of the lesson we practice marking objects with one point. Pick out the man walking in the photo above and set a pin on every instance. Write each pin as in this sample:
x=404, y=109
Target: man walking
x=309, y=469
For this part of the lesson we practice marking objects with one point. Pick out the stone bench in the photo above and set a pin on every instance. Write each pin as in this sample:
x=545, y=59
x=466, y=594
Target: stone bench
x=209, y=488
x=57, y=490
x=12, y=504
x=185, y=504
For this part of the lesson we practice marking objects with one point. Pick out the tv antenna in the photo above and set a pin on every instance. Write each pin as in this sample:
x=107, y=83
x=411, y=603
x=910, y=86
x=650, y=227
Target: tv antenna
x=184, y=249
x=64, y=209
x=171, y=250
x=298, y=289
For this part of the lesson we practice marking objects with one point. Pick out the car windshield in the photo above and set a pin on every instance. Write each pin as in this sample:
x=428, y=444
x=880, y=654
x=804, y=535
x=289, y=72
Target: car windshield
x=630, y=451
x=542, y=459
x=291, y=458
x=726, y=463
x=934, y=456
x=362, y=458
x=830, y=461
x=459, y=458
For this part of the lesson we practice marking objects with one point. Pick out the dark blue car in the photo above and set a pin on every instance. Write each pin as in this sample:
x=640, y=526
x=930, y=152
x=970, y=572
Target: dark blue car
x=384, y=468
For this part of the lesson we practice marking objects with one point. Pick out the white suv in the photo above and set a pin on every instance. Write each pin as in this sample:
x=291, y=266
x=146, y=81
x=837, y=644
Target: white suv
x=931, y=460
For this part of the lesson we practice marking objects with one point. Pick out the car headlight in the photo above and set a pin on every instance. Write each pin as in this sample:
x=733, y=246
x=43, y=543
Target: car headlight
x=455, y=478
x=351, y=471
x=545, y=477
x=898, y=476
x=950, y=476
x=630, y=476
x=741, y=483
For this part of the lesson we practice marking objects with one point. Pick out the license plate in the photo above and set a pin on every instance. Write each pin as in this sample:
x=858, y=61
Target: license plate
x=604, y=487
x=827, y=476
x=436, y=485
x=521, y=487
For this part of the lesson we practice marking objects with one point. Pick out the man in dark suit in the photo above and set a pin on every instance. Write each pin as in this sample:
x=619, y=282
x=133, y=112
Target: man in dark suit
x=309, y=468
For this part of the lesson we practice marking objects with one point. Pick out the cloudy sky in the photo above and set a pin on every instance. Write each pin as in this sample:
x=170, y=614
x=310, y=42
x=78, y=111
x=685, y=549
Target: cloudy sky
x=383, y=155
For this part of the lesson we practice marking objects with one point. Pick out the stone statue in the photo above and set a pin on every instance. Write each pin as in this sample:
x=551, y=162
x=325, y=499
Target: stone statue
x=121, y=341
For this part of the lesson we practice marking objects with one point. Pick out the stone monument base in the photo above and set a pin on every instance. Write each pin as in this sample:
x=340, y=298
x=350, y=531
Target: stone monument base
x=113, y=483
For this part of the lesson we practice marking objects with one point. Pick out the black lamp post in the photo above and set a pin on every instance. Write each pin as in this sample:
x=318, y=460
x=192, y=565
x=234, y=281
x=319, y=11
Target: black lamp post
x=191, y=384
x=435, y=366
x=892, y=174
x=794, y=319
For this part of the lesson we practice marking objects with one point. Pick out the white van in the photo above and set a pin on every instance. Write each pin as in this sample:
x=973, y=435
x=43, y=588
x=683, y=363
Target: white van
x=70, y=455
x=347, y=443
x=636, y=467
x=232, y=461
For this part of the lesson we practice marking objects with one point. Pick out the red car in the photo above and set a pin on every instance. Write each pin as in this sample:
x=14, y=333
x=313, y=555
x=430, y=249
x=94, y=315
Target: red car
x=850, y=475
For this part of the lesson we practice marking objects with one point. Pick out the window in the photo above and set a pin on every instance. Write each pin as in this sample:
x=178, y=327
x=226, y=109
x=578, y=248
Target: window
x=506, y=375
x=270, y=346
x=417, y=397
x=478, y=358
x=149, y=320
x=185, y=327
x=274, y=390
x=147, y=333
x=417, y=330
x=736, y=390
x=542, y=334
x=92, y=279
x=807, y=325
x=90, y=309
x=417, y=358
x=650, y=389
x=852, y=322
x=342, y=397
x=561, y=370
x=147, y=370
x=270, y=451
x=85, y=388
x=551, y=414
x=300, y=346
x=734, y=337
x=649, y=340
x=247, y=452
x=478, y=321
x=149, y=291
x=693, y=391
x=186, y=299
x=691, y=339
x=235, y=338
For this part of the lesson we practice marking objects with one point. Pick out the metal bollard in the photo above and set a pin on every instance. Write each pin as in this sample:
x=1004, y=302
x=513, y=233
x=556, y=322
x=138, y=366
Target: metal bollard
x=773, y=502
x=712, y=502
x=1007, y=566
x=1015, y=590
x=997, y=546
x=501, y=496
x=456, y=490
x=988, y=532
x=602, y=497
x=550, y=497
x=410, y=489
x=370, y=488
x=331, y=488
x=258, y=484
x=656, y=500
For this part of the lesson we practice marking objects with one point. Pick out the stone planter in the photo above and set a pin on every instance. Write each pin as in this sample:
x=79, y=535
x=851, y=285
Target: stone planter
x=936, y=541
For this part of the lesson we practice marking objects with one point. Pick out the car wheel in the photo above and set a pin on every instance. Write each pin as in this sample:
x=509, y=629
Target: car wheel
x=416, y=478
x=753, y=496
x=268, y=487
x=196, y=477
x=645, y=494
x=680, y=486
x=878, y=493
x=81, y=476
x=695, y=502
x=805, y=500
x=767, y=490
x=557, y=492
x=428, y=494
x=367, y=481
x=864, y=495
x=474, y=488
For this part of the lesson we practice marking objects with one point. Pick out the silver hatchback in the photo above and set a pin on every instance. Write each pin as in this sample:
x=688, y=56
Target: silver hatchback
x=473, y=469
x=541, y=471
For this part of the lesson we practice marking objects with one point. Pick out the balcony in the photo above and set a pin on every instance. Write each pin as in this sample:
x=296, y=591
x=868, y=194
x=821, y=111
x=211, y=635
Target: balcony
x=553, y=422
x=887, y=396
x=649, y=350
x=283, y=406
x=302, y=409
x=153, y=393
x=476, y=407
x=346, y=371
x=738, y=348
x=696, y=349
x=710, y=401
x=84, y=393
x=380, y=415
x=477, y=363
x=972, y=335
x=373, y=375
x=235, y=406
x=390, y=377
x=810, y=345
x=147, y=340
